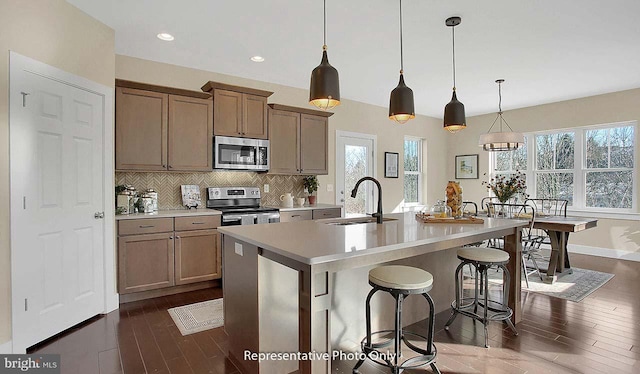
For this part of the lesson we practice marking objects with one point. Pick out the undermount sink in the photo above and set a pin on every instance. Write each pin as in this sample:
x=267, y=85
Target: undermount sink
x=355, y=221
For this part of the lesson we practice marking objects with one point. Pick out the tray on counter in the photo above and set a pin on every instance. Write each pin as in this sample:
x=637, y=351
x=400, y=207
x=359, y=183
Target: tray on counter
x=427, y=218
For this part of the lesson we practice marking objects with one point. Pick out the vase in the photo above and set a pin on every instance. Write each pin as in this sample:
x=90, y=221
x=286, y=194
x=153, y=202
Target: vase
x=312, y=199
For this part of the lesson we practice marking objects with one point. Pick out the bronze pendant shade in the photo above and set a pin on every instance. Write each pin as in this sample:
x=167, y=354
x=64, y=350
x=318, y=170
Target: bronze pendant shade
x=401, y=108
x=324, y=91
x=454, y=116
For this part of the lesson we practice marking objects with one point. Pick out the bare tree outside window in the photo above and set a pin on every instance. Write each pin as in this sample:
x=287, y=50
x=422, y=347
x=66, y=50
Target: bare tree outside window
x=412, y=169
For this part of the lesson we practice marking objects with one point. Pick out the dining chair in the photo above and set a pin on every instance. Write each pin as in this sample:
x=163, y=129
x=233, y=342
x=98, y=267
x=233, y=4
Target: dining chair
x=486, y=200
x=529, y=238
x=468, y=205
x=548, y=207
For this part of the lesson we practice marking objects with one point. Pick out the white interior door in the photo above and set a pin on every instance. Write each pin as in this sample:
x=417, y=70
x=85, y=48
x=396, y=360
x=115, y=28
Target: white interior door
x=57, y=187
x=354, y=160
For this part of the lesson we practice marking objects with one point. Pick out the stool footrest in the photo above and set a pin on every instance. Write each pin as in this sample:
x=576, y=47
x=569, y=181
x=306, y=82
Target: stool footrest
x=424, y=357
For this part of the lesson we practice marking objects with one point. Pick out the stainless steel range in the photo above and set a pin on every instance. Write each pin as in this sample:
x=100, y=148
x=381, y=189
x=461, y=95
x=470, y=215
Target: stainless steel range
x=240, y=206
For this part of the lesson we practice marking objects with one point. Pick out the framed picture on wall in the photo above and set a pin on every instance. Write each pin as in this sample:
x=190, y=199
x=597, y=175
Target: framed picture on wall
x=467, y=167
x=391, y=165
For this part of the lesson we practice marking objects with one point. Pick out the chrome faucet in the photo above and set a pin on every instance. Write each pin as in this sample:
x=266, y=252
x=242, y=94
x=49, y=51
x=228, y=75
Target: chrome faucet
x=378, y=214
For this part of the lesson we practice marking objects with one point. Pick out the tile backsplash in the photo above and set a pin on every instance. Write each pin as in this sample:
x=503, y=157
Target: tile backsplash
x=168, y=184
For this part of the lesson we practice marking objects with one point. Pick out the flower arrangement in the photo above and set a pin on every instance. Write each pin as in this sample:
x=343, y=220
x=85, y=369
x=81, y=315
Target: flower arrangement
x=506, y=187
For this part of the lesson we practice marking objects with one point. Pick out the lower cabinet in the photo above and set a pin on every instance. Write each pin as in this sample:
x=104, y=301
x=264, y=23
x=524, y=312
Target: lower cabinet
x=145, y=262
x=327, y=213
x=197, y=256
x=295, y=215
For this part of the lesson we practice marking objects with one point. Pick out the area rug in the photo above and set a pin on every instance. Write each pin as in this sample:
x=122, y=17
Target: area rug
x=573, y=287
x=198, y=317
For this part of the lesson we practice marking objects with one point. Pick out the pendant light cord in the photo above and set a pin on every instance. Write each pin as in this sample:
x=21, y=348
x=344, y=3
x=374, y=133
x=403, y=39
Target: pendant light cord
x=499, y=110
x=401, y=55
x=325, y=26
x=453, y=33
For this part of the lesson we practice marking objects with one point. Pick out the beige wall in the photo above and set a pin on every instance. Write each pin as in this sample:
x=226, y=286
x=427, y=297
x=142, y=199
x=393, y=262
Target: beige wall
x=58, y=34
x=349, y=116
x=614, y=107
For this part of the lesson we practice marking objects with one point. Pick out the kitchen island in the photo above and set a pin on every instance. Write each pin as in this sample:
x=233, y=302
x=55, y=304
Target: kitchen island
x=267, y=268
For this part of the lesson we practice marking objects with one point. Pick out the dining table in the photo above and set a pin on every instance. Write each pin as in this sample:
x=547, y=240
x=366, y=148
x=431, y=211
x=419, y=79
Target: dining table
x=558, y=228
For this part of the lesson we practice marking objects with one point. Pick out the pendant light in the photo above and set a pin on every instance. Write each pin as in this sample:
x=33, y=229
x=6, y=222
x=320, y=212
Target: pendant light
x=401, y=108
x=324, y=91
x=454, y=117
x=501, y=141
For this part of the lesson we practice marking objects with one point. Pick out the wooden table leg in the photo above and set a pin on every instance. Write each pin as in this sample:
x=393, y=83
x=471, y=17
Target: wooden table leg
x=559, y=261
x=513, y=245
x=314, y=319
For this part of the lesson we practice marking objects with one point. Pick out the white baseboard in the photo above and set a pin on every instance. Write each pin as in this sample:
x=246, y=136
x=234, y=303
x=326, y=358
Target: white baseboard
x=604, y=252
x=6, y=348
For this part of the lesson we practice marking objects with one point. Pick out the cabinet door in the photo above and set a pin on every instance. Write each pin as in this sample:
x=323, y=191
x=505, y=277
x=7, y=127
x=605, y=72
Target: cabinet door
x=198, y=256
x=255, y=116
x=327, y=213
x=141, y=129
x=227, y=113
x=145, y=262
x=313, y=144
x=283, y=142
x=190, y=133
x=295, y=215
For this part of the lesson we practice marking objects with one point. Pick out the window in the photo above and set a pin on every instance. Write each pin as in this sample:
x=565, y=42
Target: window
x=592, y=167
x=412, y=170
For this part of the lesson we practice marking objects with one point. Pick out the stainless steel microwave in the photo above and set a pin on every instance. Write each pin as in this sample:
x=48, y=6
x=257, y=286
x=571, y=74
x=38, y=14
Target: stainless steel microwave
x=240, y=153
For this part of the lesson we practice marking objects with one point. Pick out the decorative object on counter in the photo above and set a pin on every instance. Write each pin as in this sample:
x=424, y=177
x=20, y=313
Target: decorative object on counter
x=286, y=200
x=454, y=116
x=440, y=210
x=154, y=196
x=401, y=108
x=300, y=201
x=505, y=188
x=501, y=141
x=324, y=91
x=146, y=203
x=133, y=200
x=190, y=195
x=430, y=218
x=467, y=166
x=391, y=165
x=311, y=184
x=123, y=199
x=453, y=192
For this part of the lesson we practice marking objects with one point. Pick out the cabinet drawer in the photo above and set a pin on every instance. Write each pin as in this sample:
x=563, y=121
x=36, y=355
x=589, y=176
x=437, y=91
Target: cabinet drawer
x=197, y=223
x=144, y=226
x=327, y=213
x=301, y=215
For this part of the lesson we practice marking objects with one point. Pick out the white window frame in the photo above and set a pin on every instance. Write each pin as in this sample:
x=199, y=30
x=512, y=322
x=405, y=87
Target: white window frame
x=418, y=173
x=579, y=167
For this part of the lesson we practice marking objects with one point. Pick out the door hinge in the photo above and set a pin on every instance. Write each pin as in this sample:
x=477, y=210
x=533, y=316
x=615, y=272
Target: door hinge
x=24, y=98
x=26, y=305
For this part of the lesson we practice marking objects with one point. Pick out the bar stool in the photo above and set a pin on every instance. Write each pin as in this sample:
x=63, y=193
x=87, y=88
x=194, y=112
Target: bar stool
x=400, y=282
x=491, y=310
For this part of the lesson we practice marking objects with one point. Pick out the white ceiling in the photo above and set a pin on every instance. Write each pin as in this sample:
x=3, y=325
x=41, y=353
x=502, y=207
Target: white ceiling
x=547, y=50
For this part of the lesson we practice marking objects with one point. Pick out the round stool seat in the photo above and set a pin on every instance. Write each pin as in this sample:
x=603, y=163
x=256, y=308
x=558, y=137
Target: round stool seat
x=401, y=277
x=483, y=255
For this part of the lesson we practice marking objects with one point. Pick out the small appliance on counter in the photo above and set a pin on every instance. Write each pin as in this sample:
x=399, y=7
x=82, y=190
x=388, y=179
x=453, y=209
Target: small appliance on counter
x=240, y=206
x=240, y=153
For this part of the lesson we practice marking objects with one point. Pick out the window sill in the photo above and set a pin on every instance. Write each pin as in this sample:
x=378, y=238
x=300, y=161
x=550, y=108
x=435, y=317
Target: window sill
x=607, y=215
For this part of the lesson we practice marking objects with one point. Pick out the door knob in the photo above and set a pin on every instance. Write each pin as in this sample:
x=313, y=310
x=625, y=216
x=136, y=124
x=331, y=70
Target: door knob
x=98, y=215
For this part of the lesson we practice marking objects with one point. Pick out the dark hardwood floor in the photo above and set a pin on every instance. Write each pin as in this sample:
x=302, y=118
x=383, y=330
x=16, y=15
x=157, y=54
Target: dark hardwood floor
x=599, y=335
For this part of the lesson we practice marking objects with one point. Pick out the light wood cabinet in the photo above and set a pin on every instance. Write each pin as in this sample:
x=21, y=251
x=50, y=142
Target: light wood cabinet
x=162, y=128
x=145, y=262
x=327, y=213
x=298, y=140
x=238, y=111
x=151, y=255
x=197, y=256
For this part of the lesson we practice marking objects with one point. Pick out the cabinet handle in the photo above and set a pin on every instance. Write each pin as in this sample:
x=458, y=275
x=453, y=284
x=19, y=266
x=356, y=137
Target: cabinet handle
x=170, y=167
x=146, y=226
x=197, y=223
x=171, y=237
x=164, y=166
x=295, y=215
x=177, y=237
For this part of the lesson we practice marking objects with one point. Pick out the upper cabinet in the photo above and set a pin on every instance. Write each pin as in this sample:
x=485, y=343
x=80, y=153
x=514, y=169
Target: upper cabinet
x=162, y=128
x=298, y=140
x=238, y=111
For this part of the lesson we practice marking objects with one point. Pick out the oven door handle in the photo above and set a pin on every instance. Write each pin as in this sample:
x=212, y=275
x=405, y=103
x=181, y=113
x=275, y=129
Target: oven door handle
x=231, y=218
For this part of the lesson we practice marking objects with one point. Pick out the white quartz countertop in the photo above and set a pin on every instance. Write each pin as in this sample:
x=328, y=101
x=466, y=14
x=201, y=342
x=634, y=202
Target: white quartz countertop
x=171, y=213
x=306, y=207
x=316, y=242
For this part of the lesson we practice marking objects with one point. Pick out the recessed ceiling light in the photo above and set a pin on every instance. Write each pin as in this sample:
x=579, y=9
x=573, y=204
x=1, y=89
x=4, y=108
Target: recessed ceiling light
x=257, y=58
x=165, y=36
